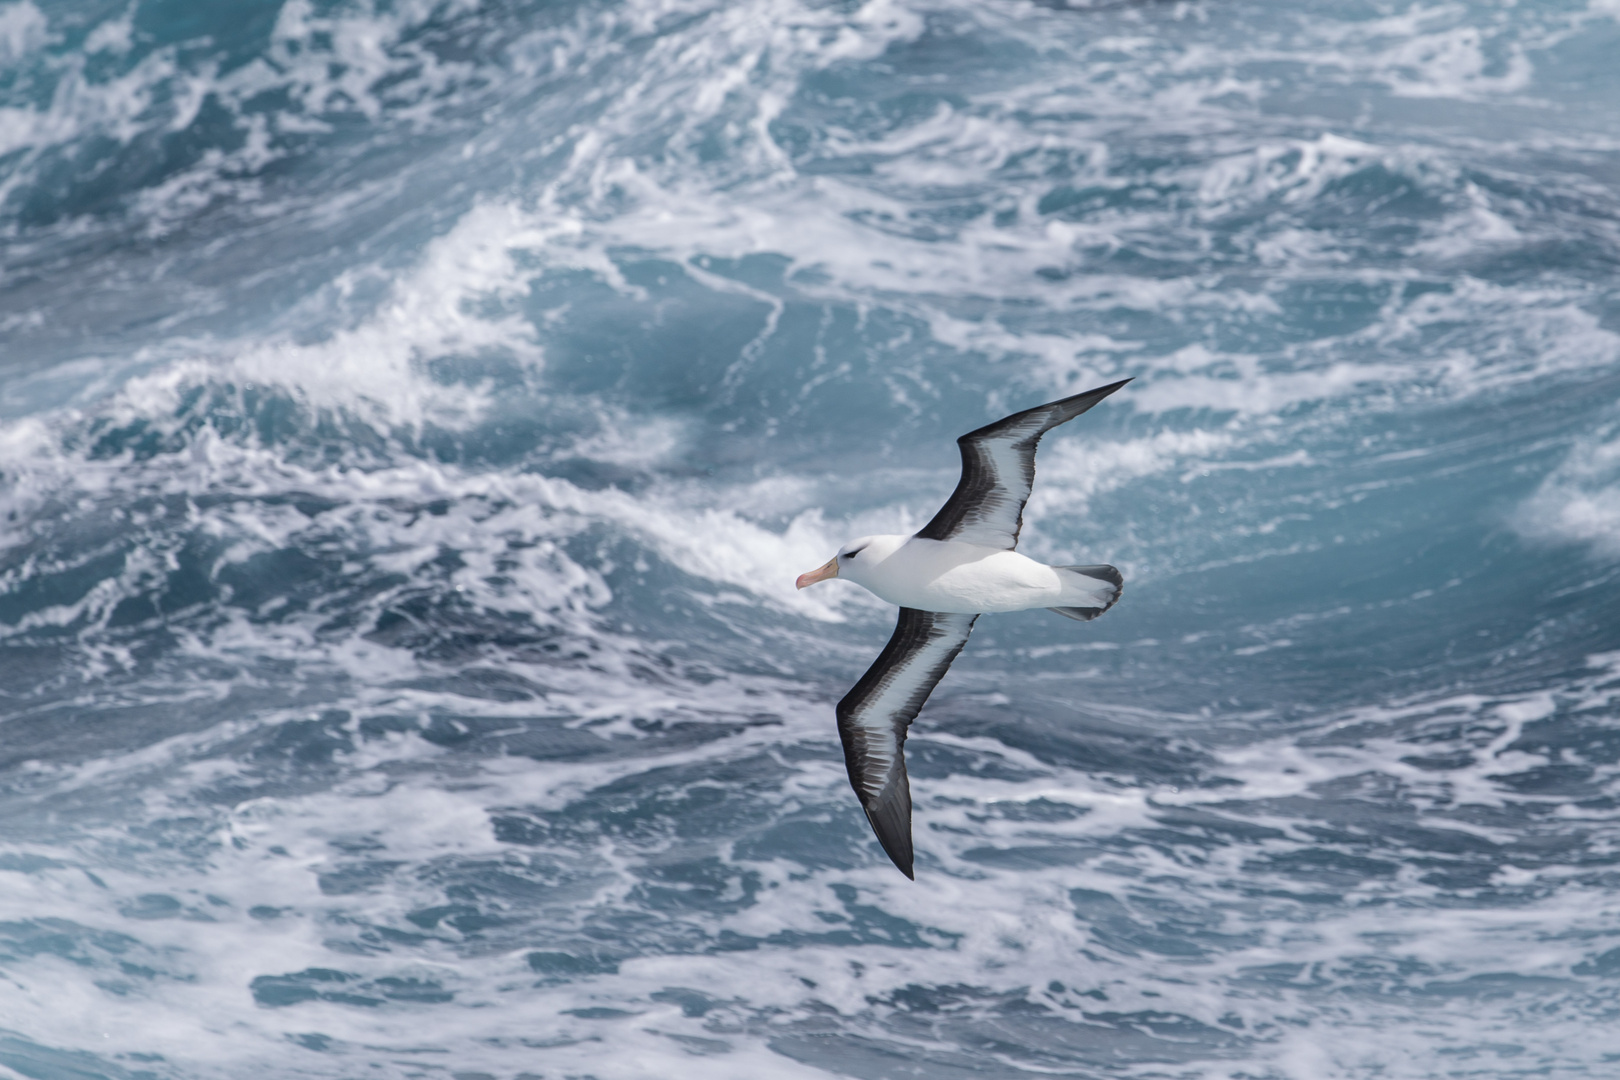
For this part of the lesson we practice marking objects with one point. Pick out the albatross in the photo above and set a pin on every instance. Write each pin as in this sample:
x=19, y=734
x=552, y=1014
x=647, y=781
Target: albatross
x=959, y=566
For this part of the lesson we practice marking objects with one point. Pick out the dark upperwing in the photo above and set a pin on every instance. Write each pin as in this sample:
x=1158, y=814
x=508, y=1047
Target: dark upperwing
x=998, y=470
x=874, y=716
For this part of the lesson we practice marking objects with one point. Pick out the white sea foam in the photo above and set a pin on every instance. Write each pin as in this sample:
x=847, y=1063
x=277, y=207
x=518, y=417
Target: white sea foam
x=23, y=29
x=1007, y=940
x=828, y=225
x=1257, y=889
x=1074, y=470
x=1579, y=501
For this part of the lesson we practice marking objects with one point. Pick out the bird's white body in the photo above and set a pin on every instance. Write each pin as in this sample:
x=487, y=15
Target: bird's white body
x=944, y=575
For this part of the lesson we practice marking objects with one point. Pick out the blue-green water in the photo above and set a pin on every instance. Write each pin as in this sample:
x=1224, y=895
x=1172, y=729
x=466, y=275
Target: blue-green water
x=413, y=417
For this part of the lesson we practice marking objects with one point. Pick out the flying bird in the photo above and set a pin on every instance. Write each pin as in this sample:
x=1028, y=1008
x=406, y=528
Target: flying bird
x=957, y=567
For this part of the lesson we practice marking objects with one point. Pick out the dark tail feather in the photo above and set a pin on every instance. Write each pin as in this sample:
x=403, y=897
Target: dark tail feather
x=890, y=815
x=1106, y=574
x=1079, y=614
x=1101, y=573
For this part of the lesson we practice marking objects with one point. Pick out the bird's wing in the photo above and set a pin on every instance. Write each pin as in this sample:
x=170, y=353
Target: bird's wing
x=874, y=716
x=998, y=469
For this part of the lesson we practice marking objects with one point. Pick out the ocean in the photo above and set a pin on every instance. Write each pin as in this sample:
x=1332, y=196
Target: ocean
x=414, y=415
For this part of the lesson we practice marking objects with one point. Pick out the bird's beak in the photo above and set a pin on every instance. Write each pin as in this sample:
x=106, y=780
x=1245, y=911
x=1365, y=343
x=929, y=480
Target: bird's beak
x=820, y=573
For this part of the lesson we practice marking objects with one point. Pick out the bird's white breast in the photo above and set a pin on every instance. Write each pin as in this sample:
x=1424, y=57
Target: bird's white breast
x=936, y=575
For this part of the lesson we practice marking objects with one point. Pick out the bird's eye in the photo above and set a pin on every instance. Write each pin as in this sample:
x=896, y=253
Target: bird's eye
x=851, y=554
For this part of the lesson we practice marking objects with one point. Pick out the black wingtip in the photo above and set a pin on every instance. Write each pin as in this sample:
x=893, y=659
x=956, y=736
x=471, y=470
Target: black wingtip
x=890, y=816
x=1076, y=404
x=897, y=846
x=1103, y=391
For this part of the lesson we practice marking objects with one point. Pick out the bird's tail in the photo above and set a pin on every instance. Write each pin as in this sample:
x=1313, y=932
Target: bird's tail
x=1088, y=591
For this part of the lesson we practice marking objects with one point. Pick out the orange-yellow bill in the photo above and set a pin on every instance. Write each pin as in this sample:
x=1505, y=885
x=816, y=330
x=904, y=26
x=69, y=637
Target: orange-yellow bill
x=820, y=573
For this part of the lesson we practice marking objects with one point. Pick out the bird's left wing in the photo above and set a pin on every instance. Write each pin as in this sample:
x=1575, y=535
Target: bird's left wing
x=998, y=470
x=874, y=716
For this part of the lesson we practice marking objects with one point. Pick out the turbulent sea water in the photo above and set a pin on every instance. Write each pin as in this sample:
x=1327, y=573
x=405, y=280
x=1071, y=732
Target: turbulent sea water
x=413, y=416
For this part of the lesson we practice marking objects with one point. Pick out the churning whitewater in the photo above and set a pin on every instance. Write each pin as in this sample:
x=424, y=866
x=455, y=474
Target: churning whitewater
x=413, y=414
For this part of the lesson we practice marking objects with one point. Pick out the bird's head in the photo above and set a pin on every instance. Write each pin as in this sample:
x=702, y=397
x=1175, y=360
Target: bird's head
x=854, y=560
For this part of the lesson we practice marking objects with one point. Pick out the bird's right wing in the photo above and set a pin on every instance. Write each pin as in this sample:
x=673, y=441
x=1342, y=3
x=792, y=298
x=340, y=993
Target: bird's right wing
x=998, y=470
x=874, y=716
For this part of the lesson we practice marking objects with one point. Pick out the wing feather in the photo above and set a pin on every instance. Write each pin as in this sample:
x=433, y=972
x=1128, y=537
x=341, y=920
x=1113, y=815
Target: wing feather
x=998, y=471
x=874, y=715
